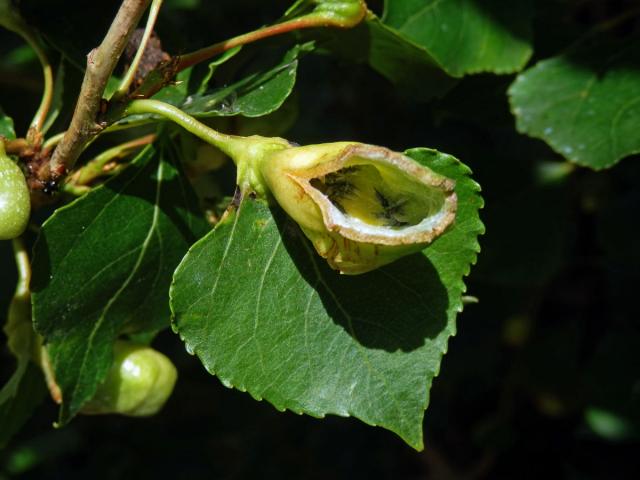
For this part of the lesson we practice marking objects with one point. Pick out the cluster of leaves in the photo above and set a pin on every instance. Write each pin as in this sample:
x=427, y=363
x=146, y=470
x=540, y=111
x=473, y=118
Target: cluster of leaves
x=252, y=300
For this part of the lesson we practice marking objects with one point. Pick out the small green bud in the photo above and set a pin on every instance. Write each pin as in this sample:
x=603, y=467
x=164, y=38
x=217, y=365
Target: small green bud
x=342, y=13
x=139, y=383
x=335, y=13
x=15, y=204
x=362, y=206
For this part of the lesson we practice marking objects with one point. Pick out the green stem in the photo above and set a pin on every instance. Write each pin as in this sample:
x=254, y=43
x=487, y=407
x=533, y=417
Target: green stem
x=75, y=190
x=52, y=141
x=245, y=39
x=23, y=296
x=23, y=265
x=125, y=84
x=47, y=94
x=231, y=145
x=246, y=152
x=21, y=28
x=11, y=19
x=96, y=167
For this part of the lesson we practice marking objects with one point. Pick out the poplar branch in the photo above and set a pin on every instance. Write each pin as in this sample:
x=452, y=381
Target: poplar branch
x=100, y=64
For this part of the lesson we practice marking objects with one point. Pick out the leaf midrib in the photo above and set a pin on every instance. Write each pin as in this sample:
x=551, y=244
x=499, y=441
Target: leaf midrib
x=134, y=270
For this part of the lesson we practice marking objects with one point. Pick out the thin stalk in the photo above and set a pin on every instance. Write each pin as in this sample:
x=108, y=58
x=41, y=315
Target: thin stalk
x=125, y=84
x=16, y=146
x=96, y=167
x=47, y=94
x=21, y=256
x=206, y=53
x=306, y=21
x=75, y=190
x=23, y=294
x=231, y=145
x=52, y=141
x=13, y=21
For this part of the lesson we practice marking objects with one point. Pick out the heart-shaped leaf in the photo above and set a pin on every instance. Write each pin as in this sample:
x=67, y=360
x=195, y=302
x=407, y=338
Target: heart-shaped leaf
x=267, y=315
x=584, y=104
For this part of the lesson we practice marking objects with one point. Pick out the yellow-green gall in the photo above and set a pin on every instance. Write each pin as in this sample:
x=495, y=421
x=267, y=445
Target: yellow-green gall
x=15, y=204
x=362, y=206
x=139, y=383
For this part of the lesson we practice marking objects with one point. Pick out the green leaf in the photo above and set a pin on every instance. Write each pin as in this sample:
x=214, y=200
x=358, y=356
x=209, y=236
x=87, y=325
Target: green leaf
x=103, y=265
x=585, y=104
x=176, y=92
x=466, y=36
x=259, y=93
x=6, y=126
x=406, y=64
x=267, y=315
x=213, y=66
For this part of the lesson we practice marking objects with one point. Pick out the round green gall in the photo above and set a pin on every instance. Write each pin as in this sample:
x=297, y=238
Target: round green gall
x=15, y=204
x=341, y=13
x=139, y=383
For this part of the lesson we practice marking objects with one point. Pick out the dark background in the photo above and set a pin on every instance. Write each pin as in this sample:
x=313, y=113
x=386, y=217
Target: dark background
x=543, y=377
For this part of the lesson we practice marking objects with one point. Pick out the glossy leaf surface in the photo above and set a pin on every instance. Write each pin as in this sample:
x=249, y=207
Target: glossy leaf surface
x=258, y=93
x=267, y=315
x=466, y=36
x=585, y=105
x=405, y=63
x=103, y=264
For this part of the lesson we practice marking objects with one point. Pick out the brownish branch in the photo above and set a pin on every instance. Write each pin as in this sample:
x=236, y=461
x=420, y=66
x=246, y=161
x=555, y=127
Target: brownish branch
x=169, y=69
x=100, y=64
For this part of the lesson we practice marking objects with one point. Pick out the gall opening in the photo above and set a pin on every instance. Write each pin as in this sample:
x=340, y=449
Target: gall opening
x=379, y=195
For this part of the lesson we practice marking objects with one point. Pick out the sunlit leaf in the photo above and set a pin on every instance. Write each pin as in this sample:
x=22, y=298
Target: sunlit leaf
x=267, y=315
x=585, y=104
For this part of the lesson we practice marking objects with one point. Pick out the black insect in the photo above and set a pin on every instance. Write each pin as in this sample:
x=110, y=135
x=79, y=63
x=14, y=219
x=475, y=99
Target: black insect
x=336, y=185
x=391, y=211
x=50, y=187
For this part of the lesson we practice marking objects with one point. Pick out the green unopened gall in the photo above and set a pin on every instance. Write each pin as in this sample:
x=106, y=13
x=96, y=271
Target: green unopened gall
x=139, y=383
x=15, y=204
x=362, y=206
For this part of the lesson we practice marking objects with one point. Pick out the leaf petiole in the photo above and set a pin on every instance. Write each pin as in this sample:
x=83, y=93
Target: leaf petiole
x=101, y=164
x=321, y=16
x=243, y=150
x=21, y=256
x=229, y=144
x=47, y=95
x=11, y=19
